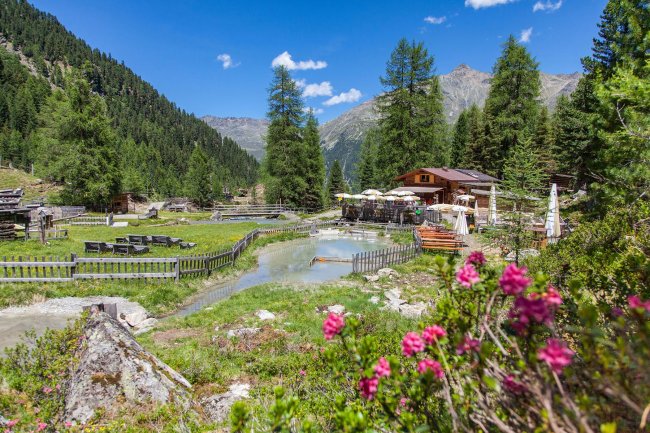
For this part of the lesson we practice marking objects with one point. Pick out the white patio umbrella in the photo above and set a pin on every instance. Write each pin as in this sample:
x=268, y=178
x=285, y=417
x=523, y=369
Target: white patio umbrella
x=403, y=193
x=410, y=198
x=553, y=216
x=358, y=196
x=372, y=192
x=371, y=197
x=492, y=207
x=460, y=227
x=387, y=198
x=342, y=195
x=465, y=197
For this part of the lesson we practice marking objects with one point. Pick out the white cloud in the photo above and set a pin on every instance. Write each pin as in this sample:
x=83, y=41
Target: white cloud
x=315, y=110
x=226, y=61
x=547, y=6
x=352, y=95
x=316, y=89
x=525, y=35
x=435, y=20
x=285, y=59
x=478, y=4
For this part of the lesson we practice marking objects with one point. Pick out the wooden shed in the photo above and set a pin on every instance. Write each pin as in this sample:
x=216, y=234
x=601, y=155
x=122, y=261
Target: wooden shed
x=123, y=203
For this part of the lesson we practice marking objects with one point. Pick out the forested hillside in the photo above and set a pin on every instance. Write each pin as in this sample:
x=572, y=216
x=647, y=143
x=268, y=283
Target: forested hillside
x=153, y=137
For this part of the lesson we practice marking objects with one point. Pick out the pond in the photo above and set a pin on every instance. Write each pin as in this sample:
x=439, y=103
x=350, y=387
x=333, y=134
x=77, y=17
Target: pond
x=290, y=262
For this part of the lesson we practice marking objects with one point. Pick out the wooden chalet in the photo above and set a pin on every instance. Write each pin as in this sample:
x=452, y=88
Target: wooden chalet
x=442, y=185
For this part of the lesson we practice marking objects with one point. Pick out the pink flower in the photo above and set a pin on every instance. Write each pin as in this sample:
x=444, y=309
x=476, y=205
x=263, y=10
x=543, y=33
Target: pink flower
x=513, y=281
x=636, y=302
x=467, y=276
x=514, y=386
x=47, y=389
x=552, y=297
x=412, y=344
x=531, y=309
x=68, y=424
x=468, y=344
x=556, y=354
x=430, y=365
x=382, y=369
x=476, y=258
x=302, y=372
x=433, y=333
x=12, y=423
x=41, y=426
x=368, y=387
x=333, y=325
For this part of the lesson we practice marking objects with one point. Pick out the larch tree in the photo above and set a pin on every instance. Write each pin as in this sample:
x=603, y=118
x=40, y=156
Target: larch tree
x=198, y=181
x=412, y=123
x=314, y=169
x=512, y=105
x=284, y=162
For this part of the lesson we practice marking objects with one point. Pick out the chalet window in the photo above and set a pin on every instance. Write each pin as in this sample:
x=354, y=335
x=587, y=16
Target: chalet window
x=424, y=178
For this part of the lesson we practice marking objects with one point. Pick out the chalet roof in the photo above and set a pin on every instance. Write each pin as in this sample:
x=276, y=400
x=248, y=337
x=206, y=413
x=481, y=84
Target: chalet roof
x=477, y=175
x=445, y=173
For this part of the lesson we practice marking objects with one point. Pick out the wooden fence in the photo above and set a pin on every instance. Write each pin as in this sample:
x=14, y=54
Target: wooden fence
x=370, y=261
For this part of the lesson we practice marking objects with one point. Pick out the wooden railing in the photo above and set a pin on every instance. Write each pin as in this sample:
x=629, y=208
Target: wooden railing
x=370, y=261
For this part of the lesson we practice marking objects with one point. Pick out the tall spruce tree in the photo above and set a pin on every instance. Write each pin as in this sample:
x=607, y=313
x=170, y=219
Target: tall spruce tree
x=198, y=182
x=366, y=170
x=314, y=169
x=77, y=147
x=284, y=162
x=335, y=181
x=512, y=105
x=412, y=123
x=474, y=155
x=543, y=143
x=460, y=140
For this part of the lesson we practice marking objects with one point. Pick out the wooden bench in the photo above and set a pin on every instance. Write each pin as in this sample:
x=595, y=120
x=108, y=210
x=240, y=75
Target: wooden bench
x=165, y=240
x=449, y=245
x=97, y=247
x=129, y=249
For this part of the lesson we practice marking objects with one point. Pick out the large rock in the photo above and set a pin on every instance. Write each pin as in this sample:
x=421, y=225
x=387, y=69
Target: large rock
x=265, y=315
x=217, y=407
x=115, y=372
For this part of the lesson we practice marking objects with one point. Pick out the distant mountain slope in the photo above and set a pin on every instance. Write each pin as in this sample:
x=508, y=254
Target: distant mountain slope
x=248, y=133
x=341, y=138
x=165, y=133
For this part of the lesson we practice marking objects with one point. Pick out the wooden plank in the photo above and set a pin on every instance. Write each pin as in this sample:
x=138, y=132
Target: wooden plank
x=34, y=280
x=34, y=263
x=124, y=276
x=123, y=260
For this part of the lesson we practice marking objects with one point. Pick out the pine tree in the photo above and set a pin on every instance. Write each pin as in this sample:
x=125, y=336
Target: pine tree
x=366, y=176
x=314, y=170
x=335, y=181
x=460, y=140
x=412, y=123
x=198, y=182
x=77, y=146
x=512, y=105
x=284, y=162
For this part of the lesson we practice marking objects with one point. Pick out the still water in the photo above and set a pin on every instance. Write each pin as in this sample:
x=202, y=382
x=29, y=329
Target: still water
x=290, y=262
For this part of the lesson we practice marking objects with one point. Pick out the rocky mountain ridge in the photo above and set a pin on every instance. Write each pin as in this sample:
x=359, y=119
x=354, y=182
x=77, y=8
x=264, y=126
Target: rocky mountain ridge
x=341, y=137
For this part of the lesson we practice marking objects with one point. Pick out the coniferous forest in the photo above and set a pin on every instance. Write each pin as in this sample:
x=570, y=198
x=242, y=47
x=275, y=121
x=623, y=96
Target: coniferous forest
x=146, y=140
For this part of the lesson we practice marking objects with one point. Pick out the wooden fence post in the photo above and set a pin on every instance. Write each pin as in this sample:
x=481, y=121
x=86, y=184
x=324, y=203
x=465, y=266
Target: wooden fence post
x=177, y=269
x=73, y=268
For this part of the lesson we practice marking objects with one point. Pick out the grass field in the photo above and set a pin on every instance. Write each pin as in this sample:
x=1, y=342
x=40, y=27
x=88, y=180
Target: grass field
x=13, y=178
x=208, y=237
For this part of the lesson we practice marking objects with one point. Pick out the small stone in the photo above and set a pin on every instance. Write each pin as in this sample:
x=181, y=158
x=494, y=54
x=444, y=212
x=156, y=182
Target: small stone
x=374, y=300
x=265, y=315
x=387, y=272
x=412, y=311
x=371, y=278
x=336, y=309
x=217, y=407
x=135, y=318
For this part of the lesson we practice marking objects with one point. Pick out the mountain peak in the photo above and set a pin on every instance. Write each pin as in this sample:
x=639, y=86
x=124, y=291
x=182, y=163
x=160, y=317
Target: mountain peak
x=462, y=68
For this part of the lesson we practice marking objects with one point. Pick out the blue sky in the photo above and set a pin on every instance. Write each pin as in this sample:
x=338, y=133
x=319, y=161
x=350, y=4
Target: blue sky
x=175, y=45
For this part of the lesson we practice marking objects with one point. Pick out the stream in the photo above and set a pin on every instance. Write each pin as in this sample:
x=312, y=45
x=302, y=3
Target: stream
x=290, y=262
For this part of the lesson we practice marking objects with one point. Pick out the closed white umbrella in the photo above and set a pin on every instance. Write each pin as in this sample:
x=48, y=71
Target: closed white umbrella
x=553, y=216
x=476, y=211
x=461, y=222
x=372, y=192
x=492, y=207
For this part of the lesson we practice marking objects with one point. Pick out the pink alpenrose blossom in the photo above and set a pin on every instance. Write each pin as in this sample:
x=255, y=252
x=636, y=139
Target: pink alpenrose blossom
x=12, y=423
x=68, y=424
x=368, y=387
x=41, y=426
x=412, y=344
x=433, y=333
x=467, y=276
x=382, y=368
x=333, y=326
x=468, y=344
x=528, y=310
x=514, y=386
x=636, y=302
x=513, y=281
x=552, y=297
x=475, y=258
x=428, y=364
x=555, y=354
